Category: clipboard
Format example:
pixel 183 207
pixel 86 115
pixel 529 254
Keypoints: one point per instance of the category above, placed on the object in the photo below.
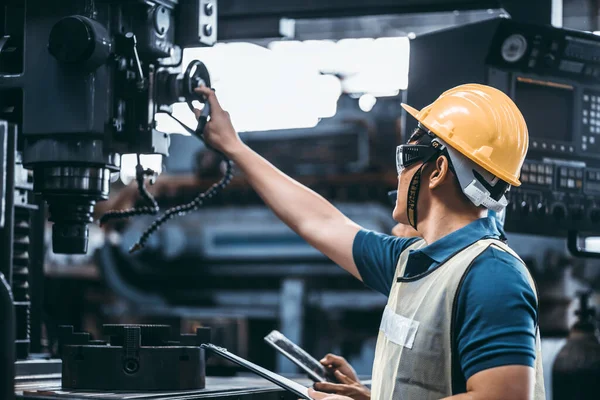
pixel 314 369
pixel 279 380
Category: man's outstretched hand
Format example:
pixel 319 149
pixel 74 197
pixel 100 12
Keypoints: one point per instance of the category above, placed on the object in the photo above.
pixel 346 387
pixel 348 383
pixel 219 132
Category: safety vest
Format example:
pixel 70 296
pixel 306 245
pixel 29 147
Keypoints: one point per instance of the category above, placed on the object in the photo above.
pixel 415 346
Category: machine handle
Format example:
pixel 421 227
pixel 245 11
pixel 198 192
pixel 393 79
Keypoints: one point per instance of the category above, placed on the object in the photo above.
pixel 576 251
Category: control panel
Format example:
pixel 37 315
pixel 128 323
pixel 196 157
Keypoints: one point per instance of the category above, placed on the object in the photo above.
pixel 553 75
pixel 545 50
pixel 555 197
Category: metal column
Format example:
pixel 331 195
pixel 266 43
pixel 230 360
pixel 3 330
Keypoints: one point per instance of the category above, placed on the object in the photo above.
pixel 291 317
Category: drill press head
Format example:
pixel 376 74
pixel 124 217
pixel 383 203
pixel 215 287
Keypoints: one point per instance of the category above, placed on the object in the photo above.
pixel 94 76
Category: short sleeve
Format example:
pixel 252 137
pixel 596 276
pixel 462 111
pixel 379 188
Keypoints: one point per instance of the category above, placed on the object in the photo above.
pixel 376 255
pixel 496 315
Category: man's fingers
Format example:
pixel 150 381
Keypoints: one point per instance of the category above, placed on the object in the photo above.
pixel 316 395
pixel 333 360
pixel 330 387
pixel 342 378
pixel 210 97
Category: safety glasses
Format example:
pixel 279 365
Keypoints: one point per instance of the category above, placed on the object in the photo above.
pixel 410 154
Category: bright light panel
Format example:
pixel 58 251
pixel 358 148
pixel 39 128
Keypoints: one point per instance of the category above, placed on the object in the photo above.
pixel 291 84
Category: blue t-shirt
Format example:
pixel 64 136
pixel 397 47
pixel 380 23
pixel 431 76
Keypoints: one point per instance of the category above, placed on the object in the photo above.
pixel 496 315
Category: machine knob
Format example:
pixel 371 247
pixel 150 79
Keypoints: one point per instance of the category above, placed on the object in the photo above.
pixel 524 208
pixel 540 209
pixel 559 212
pixel 549 60
pixel 595 215
pixel 79 41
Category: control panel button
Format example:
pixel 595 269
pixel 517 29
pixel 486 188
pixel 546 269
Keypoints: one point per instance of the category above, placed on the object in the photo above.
pixel 524 208
pixel 540 209
pixel 514 48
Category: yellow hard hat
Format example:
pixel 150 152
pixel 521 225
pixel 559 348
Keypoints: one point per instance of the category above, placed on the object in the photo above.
pixel 483 124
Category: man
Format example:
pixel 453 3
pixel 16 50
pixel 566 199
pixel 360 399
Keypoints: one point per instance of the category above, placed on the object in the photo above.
pixel 461 318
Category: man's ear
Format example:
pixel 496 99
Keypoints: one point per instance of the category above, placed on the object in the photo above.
pixel 440 172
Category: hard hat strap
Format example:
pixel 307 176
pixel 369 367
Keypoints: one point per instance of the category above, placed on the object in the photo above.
pixel 413 197
pixel 415 187
pixel 479 196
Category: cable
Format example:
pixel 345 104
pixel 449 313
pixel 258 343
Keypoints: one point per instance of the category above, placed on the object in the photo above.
pixel 199 201
pixel 140 174
pixel 185 208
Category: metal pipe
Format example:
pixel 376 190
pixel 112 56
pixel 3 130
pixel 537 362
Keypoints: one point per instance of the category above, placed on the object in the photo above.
pixel 7 341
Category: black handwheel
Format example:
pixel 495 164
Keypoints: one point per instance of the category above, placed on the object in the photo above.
pixel 196 74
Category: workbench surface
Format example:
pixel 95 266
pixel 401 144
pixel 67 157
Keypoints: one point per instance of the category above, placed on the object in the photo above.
pixel 224 388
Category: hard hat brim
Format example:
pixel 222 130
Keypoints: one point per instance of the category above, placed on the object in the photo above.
pixel 411 110
pixel 415 114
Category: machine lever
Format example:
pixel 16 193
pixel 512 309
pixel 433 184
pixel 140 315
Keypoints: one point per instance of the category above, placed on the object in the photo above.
pixel 129 44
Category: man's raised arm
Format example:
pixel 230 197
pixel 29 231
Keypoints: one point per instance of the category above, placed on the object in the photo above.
pixel 306 212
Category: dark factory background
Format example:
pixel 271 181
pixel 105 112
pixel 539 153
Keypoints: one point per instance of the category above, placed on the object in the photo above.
pixel 315 87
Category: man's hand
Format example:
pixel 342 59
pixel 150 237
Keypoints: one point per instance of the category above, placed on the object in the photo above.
pixel 347 387
pixel 219 132
pixel 336 363
pixel 325 396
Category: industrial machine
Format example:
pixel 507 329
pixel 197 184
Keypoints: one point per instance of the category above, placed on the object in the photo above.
pixel 554 77
pixel 84 81
pixel 80 84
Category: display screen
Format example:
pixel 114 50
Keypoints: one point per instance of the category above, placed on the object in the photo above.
pixel 547 108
